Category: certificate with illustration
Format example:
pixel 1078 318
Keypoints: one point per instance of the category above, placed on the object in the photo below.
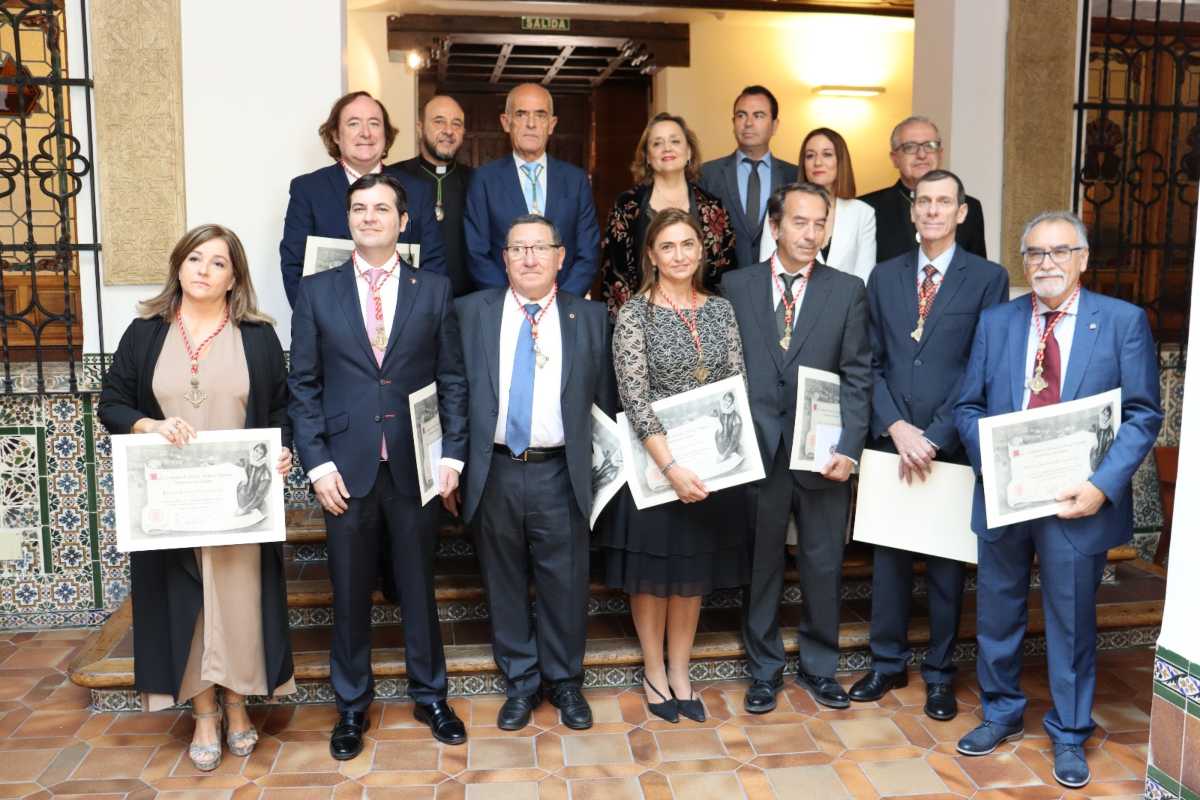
pixel 818 419
pixel 608 462
pixel 427 439
pixel 220 488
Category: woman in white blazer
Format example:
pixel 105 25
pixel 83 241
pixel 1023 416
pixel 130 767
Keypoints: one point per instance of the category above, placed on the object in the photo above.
pixel 850 230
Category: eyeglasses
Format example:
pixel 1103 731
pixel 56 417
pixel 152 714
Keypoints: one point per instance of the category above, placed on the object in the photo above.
pixel 1060 255
pixel 911 148
pixel 541 250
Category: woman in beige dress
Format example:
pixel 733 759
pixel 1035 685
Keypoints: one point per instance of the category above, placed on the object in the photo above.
pixel 202 357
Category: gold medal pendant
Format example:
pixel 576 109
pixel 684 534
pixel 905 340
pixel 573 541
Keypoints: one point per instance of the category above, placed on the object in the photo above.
pixel 194 395
pixel 1037 384
pixel 786 341
pixel 380 340
pixel 701 373
pixel 918 332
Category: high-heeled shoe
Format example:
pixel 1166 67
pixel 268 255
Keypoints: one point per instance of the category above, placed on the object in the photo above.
pixel 240 743
pixel 692 708
pixel 668 709
pixel 206 757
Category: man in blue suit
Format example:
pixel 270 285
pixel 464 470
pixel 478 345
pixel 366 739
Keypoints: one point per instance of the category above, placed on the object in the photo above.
pixel 536 362
pixel 357 135
pixel 924 306
pixel 366 335
pixel 531 182
pixel 1089 344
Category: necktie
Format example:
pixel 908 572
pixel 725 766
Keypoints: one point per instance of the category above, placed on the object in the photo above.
pixel 520 391
pixel 1051 366
pixel 927 292
pixel 781 309
pixel 753 195
pixel 533 172
pixel 374 276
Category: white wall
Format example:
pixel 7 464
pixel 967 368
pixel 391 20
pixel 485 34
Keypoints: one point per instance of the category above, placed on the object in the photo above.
pixel 368 68
pixel 958 82
pixel 254 94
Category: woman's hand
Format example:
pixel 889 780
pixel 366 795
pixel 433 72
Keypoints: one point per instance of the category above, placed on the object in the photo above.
pixel 284 465
pixel 173 429
pixel 687 485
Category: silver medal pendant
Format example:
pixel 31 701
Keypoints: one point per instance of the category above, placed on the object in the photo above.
pixel 438 213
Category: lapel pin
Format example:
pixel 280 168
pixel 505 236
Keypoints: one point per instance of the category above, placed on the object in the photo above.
pixel 1092 326
pixel 571 315
pixel 413 280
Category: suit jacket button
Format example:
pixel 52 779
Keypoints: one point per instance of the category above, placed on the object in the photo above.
pixel 782 384
pixel 916 362
pixel 783 412
pixel 378 418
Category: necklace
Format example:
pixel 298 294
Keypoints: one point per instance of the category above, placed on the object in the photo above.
pixel 539 355
pixel 1037 384
pixel 439 212
pixel 789 303
pixel 379 340
pixel 924 303
pixel 194 395
pixel 701 371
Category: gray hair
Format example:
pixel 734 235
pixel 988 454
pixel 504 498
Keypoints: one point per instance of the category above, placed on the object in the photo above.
pixel 509 97
pixel 895 138
pixel 1056 216
pixel 535 219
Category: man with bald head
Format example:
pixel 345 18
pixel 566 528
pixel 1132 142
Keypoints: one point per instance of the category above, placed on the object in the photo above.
pixel 440 132
pixel 530 182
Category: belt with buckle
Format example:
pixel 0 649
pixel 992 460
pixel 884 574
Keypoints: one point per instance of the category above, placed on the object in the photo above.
pixel 533 455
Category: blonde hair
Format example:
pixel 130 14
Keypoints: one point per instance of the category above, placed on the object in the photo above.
pixel 241 299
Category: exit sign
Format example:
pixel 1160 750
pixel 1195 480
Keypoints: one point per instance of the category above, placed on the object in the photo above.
pixel 543 24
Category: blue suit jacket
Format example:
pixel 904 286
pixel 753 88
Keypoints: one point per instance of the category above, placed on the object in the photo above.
pixel 317 207
pixel 342 400
pixel 494 200
pixel 919 382
pixel 587 378
pixel 1112 347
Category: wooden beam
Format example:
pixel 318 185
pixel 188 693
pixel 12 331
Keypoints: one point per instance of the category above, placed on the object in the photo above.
pixel 501 60
pixel 613 64
pixel 883 8
pixel 558 64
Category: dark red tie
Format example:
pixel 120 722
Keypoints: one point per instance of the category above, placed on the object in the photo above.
pixel 1051 366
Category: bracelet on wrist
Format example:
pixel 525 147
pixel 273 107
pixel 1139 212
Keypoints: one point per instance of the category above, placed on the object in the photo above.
pixel 666 467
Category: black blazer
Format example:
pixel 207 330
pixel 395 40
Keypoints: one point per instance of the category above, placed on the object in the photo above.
pixel 719 178
pixel 895 233
pixel 831 334
pixel 165 584
pixel 919 382
pixel 587 378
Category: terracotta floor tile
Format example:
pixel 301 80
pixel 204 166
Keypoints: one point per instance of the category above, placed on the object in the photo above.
pixel 114 762
pixel 53 723
pixel 610 748
pixel 158 722
pixel 770 739
pixel 553 788
pixel 524 790
pixel 313 718
pixel 605 709
pixel 1120 717
pixel 997 770
pixel 687 745
pixel 406 756
pixel 399 793
pixel 304 793
pixel 38 657
pixel 950 730
pixel 500 753
pixel 807 783
pixel 713 786
pixel 26 765
pixel 606 789
pixel 304 757
pixel 859 733
pixel 907 776
pixel 14 687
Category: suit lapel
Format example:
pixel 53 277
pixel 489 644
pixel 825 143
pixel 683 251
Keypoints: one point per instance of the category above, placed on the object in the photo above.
pixel 952 281
pixel 551 185
pixel 567 329
pixel 1018 339
pixel 731 188
pixel 512 185
pixel 763 295
pixel 1082 343
pixel 816 295
pixel 907 276
pixel 489 331
pixel 347 294
pixel 406 298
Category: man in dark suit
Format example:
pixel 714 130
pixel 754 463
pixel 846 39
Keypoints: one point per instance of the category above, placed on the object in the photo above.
pixel 1072 344
pixel 924 306
pixel 357 135
pixel 916 149
pixel 745 179
pixel 829 332
pixel 365 335
pixel 537 359
pixel 531 182
pixel 440 131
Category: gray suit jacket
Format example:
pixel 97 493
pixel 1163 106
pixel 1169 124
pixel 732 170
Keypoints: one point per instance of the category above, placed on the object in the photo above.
pixel 587 378
pixel 719 177
pixel 831 333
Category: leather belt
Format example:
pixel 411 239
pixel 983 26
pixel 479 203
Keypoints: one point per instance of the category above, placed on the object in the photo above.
pixel 533 455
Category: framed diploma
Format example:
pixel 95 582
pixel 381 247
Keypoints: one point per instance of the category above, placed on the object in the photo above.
pixel 608 462
pixel 1029 456
pixel 427 439
pixel 818 419
pixel 323 252
pixel 220 488
pixel 709 431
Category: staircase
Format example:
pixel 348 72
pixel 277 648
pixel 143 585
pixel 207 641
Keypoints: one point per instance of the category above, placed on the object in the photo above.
pixel 1129 612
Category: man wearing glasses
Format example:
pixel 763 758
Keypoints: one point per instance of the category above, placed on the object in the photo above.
pixel 530 182
pixel 916 148
pixel 1057 344
pixel 537 358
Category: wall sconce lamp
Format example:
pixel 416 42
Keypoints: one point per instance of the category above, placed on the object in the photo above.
pixel 416 59
pixel 848 91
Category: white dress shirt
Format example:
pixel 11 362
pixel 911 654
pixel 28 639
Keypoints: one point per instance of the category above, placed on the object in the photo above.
pixel 546 424
pixel 798 287
pixel 941 264
pixel 1064 333
pixel 524 180
pixel 352 175
pixel 852 246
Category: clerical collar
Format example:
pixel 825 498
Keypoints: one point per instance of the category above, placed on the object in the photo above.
pixel 437 169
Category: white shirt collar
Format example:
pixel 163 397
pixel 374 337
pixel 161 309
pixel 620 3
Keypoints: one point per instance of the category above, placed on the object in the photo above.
pixel 1070 308
pixel 352 175
pixel 764 161
pixel 363 266
pixel 777 267
pixel 941 263
pixel 521 162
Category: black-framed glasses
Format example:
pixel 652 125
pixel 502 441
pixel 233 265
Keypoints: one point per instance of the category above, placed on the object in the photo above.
pixel 911 148
pixel 541 250
pixel 1034 256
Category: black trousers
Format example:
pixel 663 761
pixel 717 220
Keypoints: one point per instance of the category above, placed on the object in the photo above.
pixel 821 516
pixel 354 544
pixel 528 524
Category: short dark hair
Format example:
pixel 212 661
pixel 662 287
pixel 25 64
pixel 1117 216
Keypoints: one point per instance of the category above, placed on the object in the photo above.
pixel 941 175
pixel 535 219
pixel 330 125
pixel 779 197
pixel 373 179
pixel 763 91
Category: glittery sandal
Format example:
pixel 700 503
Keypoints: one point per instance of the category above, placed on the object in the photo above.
pixel 240 743
pixel 206 757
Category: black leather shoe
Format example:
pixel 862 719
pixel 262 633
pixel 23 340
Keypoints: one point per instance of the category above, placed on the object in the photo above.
pixel 575 712
pixel 443 723
pixel 987 736
pixel 346 741
pixel 516 711
pixel 825 691
pixel 939 701
pixel 874 685
pixel 760 697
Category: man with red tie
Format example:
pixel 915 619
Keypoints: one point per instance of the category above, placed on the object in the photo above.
pixel 1059 343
